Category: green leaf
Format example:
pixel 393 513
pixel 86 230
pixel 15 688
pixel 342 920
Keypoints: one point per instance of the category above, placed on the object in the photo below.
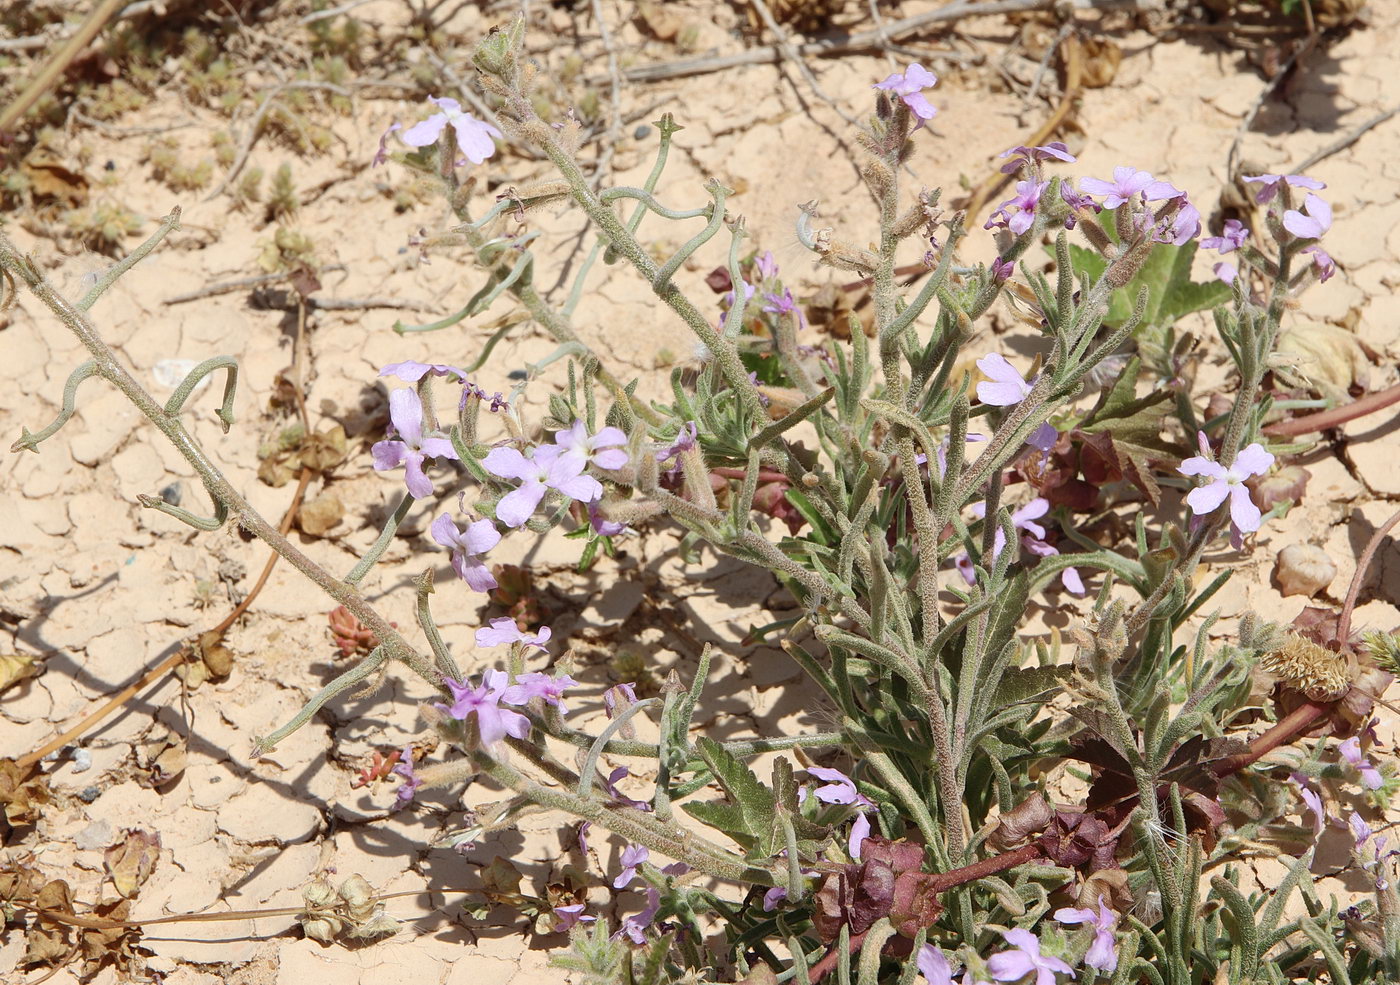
pixel 752 817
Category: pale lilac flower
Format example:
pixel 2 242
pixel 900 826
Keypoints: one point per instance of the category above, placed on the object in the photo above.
pixel 1004 387
pixel 1033 539
pixel 411 446
pixel 1077 203
pixel 772 898
pixel 1026 200
pixel 1225 271
pixel 1103 953
pixel 1360 830
pixel 411 371
pixel 686 439
pixel 382 155
pixel 860 830
pixel 537 685
pixel 933 965
pixel 473 135
pixel 1056 150
pixel 1351 751
pixel 1232 238
pixel 467 547
pixel 601 449
pixel 785 304
pixel 767 266
pixel 1312 800
pixel 571 916
pixel 1002 269
pixel 729 298
pixel 909 87
pixel 1312 225
pixel 1127 183
pixel 1323 261
pixel 504 630
pixel 601 525
pixel 632 857
pixel 634 926
pixel 1043 438
pixel 1228 483
pixel 1185 221
pixel 546 467
pixel 493 722
pixel 619 694
pixel 1026 959
pixel 839 788
pixel 1272 182
pixel 1069 577
pixel 618 797
pixel 941 452
pixel 404 768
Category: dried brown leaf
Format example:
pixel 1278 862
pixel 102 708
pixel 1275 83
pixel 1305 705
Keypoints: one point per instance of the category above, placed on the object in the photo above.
pixel 131 861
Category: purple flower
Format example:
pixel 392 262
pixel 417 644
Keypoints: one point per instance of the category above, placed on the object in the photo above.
pixel 1360 830
pixel 933 965
pixel 910 87
pixel 941 452
pixel 728 301
pixel 467 547
pixel 860 830
pixel 632 856
pixel 546 467
pixel 473 135
pixel 1185 221
pixel 1311 226
pixel 601 525
pixel 618 797
pixel 411 446
pixel 1103 953
pixel 1225 271
pixel 1027 198
pixel 601 449
pixel 1004 386
pixel 619 694
pixel 407 789
pixel 537 685
pixel 1126 184
pixel 1078 203
pixel 1233 238
pixel 1043 438
pixel 1322 260
pixel 493 722
pixel 686 439
pixel 411 371
pixel 839 788
pixel 1055 150
pixel 785 304
pixel 504 630
pixel 1228 482
pixel 1026 959
pixel 571 916
pixel 635 925
pixel 772 898
pixel 1273 182
pixel 767 266
pixel 382 155
pixel 1351 751
pixel 1312 800
pixel 1002 269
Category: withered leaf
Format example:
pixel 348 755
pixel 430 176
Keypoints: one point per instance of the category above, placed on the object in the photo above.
pixel 163 757
pixel 131 861
pixel 887 882
pixel 15 667
pixel 1031 816
pixel 321 515
pixel 47 941
pixel 218 659
pixel 22 792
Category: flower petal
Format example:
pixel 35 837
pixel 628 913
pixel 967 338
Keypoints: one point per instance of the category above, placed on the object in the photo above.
pixel 1207 499
pixel 425 132
pixel 406 411
pixel 1243 513
pixel 1253 460
pixel 517 505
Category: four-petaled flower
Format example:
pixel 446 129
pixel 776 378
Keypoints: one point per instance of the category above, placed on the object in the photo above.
pixel 1185 221
pixel 545 467
pixel 467 547
pixel 412 445
pixel 909 87
pixel 841 789
pixel 618 797
pixel 601 449
pixel 784 304
pixel 1228 483
pixel 1323 261
pixel 1126 184
pixel 473 135
pixel 411 371
pixel 1026 200
pixel 1055 150
pixel 1233 238
pixel 635 925
pixel 493 722
pixel 767 265
pixel 632 857
pixel 1351 751
pixel 537 685
pixel 504 630
pixel 411 780
pixel 601 525
pixel 1311 799
pixel 1103 953
pixel 1002 269
pixel 1026 959
pixel 1312 225
pixel 1273 182
pixel 570 916
pixel 1004 387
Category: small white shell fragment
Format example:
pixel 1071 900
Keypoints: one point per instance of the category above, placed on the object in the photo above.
pixel 1303 569
pixel 169 373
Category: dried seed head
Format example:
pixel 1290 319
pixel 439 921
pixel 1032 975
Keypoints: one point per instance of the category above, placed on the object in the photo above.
pixel 1308 667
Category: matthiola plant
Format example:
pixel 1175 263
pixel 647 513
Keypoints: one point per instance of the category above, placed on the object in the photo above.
pixel 930 487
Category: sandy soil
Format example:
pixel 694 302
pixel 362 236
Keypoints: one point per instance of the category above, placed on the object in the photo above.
pixel 101 589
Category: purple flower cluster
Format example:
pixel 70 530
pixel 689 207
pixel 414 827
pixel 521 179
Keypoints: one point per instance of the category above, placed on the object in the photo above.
pixel 484 700
pixel 1032 539
pixel 559 467
pixel 1179 220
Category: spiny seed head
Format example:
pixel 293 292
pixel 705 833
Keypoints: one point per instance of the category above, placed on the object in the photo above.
pixel 1306 666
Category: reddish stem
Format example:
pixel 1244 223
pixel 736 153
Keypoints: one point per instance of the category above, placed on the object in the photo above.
pixel 1323 420
pixel 1286 729
pixel 1354 592
pixel 764 475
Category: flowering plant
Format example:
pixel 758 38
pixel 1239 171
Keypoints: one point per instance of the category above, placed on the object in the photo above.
pixel 925 836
